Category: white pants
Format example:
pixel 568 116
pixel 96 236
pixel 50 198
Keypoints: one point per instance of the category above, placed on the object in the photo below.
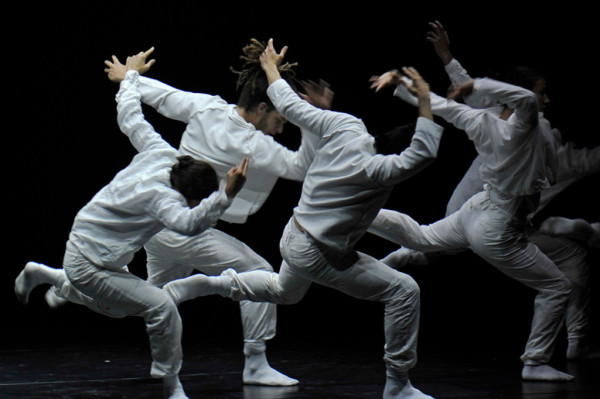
pixel 119 294
pixel 367 278
pixel 572 260
pixel 489 231
pixel 172 256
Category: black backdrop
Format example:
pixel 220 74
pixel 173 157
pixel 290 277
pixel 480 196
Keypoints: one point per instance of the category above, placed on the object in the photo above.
pixel 64 145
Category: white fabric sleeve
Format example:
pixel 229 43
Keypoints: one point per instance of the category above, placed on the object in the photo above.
pixel 177 216
pixel 173 103
pixel 391 169
pixel 131 119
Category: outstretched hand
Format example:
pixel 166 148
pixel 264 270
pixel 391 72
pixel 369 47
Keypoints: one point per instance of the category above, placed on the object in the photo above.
pixel 417 85
pixel 390 78
pixel 138 61
pixel 116 70
pixel 409 77
pixel 236 178
pixel 270 60
pixel 318 94
pixel 441 41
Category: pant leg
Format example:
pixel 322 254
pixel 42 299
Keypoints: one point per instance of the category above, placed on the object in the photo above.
pixel 172 256
pixel 490 232
pixel 572 259
pixel 366 279
pixel 120 294
pixel 495 237
pixel 446 234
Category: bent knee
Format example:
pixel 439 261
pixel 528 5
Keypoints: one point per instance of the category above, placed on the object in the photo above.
pixel 163 308
pixel 290 299
pixel 406 287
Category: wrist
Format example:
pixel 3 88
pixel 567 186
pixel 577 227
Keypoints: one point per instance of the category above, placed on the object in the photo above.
pixel 446 57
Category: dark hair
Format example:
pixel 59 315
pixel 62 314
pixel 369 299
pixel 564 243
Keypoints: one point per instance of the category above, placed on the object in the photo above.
pixel 522 76
pixel 396 140
pixel 252 82
pixel 194 179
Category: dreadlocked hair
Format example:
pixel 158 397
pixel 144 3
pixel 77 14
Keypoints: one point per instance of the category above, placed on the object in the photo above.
pixel 252 82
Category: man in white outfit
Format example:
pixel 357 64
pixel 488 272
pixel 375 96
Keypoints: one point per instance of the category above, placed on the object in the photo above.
pixel 567 166
pixel 220 134
pixel 345 186
pixel 515 167
pixel 156 190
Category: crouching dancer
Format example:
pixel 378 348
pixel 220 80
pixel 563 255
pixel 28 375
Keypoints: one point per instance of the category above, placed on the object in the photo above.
pixel 346 184
pixel 157 189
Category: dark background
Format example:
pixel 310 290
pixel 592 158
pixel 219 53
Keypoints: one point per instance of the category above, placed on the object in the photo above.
pixel 62 145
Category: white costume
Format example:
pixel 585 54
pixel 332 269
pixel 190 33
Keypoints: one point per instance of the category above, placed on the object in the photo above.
pixel 567 166
pixel 117 222
pixel 516 160
pixel 217 134
pixel 345 187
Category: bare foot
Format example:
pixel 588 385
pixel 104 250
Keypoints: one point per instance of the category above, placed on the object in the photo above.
pixel 544 373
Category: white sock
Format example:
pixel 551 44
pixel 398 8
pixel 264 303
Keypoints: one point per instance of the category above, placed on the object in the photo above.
pixel 34 274
pixel 257 371
pixel 53 299
pixel 173 388
pixel 399 387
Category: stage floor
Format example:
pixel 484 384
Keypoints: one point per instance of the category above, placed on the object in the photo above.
pixel 213 371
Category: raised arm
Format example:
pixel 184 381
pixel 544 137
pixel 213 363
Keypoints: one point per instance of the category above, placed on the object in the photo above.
pixel 270 61
pixel 173 103
pixel 288 103
pixel 457 74
pixel 441 42
pixel 129 109
pixel 168 101
pixel 206 213
pixel 115 70
pixel 391 169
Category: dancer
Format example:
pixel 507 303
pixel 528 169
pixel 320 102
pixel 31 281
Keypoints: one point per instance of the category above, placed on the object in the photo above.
pixel 346 185
pixel 157 189
pixel 514 166
pixel 219 134
pixel 567 165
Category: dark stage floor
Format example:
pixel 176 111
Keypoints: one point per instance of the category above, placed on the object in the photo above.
pixel 209 371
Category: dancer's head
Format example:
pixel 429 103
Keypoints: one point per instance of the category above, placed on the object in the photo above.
pixel 253 101
pixel 396 140
pixel 194 179
pixel 531 79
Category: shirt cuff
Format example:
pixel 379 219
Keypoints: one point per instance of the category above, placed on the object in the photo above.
pixel 427 125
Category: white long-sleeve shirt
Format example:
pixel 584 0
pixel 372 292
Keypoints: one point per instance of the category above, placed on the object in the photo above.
pixel 565 163
pixel 139 201
pixel 217 134
pixel 514 157
pixel 347 182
